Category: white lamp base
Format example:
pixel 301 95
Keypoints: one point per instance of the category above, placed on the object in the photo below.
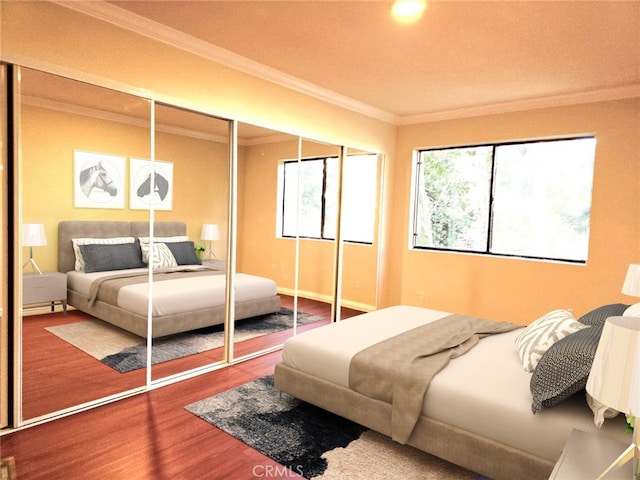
pixel 31 262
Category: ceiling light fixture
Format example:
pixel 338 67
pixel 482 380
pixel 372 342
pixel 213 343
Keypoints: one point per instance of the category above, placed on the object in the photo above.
pixel 408 10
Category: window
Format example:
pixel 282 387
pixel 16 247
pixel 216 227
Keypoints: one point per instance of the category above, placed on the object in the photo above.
pixel 317 190
pixel 529 199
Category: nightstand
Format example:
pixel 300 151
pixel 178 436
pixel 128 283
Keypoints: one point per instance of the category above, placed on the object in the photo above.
pixel 50 287
pixel 215 264
pixel 587 455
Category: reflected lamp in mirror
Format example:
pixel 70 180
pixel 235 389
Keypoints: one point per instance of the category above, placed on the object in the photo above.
pixel 33 235
pixel 631 286
pixel 614 379
pixel 210 231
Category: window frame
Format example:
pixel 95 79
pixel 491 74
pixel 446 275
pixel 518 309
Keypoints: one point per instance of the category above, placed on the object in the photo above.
pixel 417 170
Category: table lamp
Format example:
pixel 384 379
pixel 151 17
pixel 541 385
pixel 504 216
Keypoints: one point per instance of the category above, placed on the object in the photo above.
pixel 631 286
pixel 615 379
pixel 33 236
pixel 210 231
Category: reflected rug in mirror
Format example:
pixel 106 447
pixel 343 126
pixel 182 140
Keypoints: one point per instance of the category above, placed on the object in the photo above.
pixel 314 443
pixel 124 351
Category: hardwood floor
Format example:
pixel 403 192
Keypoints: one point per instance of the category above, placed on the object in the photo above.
pixel 150 435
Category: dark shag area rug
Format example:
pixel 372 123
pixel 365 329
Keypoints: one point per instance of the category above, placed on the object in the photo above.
pixel 314 443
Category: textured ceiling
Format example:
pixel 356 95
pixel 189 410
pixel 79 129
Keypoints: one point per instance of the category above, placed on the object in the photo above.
pixel 459 55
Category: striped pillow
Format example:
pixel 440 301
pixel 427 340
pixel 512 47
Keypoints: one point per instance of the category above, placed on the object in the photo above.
pixel 162 256
pixel 544 332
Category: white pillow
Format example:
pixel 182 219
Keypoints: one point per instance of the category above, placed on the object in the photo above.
pixel 173 239
pixel 632 311
pixel 544 332
pixel 162 256
pixel 79 265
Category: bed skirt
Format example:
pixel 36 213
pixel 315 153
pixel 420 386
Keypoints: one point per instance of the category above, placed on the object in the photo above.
pixel 171 324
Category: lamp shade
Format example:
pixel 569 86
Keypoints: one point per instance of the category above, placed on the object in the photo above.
pixel 615 374
pixel 33 235
pixel 631 285
pixel 210 231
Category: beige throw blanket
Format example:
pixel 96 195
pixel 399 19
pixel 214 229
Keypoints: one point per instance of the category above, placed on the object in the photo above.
pixel 106 288
pixel 399 370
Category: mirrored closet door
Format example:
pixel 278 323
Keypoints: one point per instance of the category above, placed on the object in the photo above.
pixel 361 197
pixel 264 255
pixel 75 142
pixel 192 168
pixel 304 221
pixel 318 173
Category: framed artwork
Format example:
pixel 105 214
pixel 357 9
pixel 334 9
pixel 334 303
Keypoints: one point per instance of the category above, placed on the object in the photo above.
pixel 98 180
pixel 141 195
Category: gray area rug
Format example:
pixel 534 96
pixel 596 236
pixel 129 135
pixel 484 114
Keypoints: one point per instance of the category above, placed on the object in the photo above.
pixel 126 352
pixel 314 443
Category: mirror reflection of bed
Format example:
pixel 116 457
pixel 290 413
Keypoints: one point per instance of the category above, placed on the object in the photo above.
pixel 57 375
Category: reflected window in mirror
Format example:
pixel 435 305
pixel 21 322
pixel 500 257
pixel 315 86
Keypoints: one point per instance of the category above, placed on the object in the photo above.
pixel 316 191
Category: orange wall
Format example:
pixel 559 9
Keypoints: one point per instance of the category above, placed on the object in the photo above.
pixel 521 290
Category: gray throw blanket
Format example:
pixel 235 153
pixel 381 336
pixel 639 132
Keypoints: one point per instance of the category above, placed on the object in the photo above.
pixel 399 370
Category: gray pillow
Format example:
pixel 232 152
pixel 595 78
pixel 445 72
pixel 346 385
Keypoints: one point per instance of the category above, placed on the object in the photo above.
pixel 101 258
pixel 184 253
pixel 597 317
pixel 564 368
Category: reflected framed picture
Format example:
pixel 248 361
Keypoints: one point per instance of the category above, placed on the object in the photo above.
pixel 150 183
pixel 98 180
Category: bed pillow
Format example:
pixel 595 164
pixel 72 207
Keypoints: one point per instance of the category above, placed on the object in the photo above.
pixel 542 333
pixel 175 238
pixel 564 368
pixel 184 253
pixel 162 256
pixel 76 242
pixel 104 257
pixel 597 316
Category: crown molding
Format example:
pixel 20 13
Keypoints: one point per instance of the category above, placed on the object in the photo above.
pixel 121 18
pixel 603 95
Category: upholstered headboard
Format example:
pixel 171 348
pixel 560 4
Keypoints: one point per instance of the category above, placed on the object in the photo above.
pixel 69 229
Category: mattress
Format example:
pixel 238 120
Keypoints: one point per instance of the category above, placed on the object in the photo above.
pixel 486 391
pixel 178 295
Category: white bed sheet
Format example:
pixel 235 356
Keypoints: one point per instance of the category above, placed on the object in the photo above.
pixel 486 391
pixel 179 295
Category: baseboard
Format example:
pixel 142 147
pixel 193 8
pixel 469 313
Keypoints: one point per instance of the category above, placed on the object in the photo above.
pixel 363 307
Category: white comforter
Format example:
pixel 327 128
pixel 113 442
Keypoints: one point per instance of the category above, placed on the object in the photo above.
pixel 486 391
pixel 178 295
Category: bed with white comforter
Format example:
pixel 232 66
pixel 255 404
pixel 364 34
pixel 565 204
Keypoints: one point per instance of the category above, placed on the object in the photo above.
pixel 185 297
pixel 477 411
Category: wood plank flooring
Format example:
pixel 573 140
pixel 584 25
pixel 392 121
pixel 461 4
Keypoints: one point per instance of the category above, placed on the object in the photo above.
pixel 147 436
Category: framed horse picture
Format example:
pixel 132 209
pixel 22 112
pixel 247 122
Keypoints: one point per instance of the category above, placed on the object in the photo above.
pixel 98 180
pixel 150 183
